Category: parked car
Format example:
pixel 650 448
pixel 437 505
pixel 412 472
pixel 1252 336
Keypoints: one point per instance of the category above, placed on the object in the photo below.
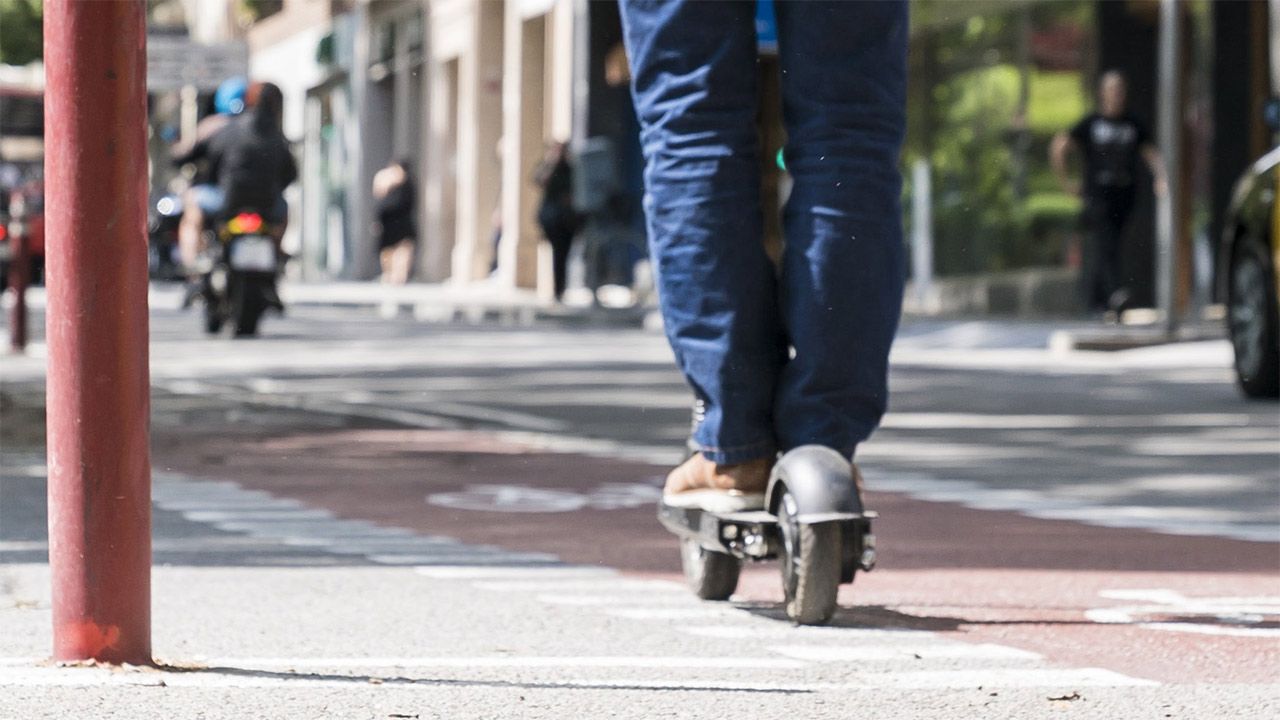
pixel 1251 257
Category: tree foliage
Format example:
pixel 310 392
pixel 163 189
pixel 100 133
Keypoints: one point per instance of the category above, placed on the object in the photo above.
pixel 21 34
pixel 996 205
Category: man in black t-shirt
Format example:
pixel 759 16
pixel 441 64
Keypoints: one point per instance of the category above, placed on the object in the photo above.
pixel 1111 142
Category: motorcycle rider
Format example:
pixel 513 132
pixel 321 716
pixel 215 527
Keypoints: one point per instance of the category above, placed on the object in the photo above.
pixel 204 198
pixel 250 160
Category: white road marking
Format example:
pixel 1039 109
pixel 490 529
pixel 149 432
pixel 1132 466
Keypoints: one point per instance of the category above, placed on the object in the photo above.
pixel 939 650
pixel 229 504
pixel 319 528
pixel 234 676
pixel 255 514
pixel 514 661
pixel 619 600
pixel 668 613
pixel 467 572
pixel 23 546
pixel 525 499
pixel 1252 525
pixel 1065 678
pixel 1223 616
pixel 452 559
pixel 613 582
pixel 983 421
pixel 775 631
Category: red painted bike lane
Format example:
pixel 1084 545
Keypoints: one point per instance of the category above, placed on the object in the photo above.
pixel 1176 609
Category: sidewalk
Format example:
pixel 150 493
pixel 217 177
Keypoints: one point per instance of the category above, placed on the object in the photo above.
pixel 429 302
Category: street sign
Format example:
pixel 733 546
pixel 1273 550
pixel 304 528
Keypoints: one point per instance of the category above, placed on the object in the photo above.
pixel 174 62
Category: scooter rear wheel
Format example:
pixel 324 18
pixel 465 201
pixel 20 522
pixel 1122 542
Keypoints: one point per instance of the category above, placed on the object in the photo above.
pixel 711 575
pixel 810 565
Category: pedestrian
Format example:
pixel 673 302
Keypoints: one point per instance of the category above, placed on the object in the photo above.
pixel 1111 141
pixel 556 213
pixel 396 194
pixel 777 357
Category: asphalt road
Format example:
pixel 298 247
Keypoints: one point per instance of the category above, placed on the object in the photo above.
pixel 1098 524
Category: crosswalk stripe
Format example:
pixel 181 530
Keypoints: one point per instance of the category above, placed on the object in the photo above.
pixel 773 631
pixel 669 613
pixel 988 677
pixel 618 600
pixel 256 514
pixel 467 572
pixel 609 582
pixel 465 559
pixel 938 650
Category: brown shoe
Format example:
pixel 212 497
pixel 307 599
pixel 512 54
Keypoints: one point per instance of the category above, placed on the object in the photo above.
pixel 701 483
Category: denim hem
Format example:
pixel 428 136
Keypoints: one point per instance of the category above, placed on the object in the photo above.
pixel 738 454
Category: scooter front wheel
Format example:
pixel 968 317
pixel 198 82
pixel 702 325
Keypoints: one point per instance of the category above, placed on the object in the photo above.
pixel 711 575
pixel 810 565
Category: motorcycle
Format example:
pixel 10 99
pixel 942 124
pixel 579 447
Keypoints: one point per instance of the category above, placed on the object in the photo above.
pixel 239 274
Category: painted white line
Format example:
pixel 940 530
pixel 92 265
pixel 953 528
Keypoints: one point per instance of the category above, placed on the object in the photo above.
pixel 362 546
pixel 667 613
pixel 1172 611
pixel 619 600
pixel 938 651
pixel 268 514
pixel 468 572
pixel 97 677
pixel 1053 680
pixel 977 421
pixel 986 678
pixel 465 559
pixel 318 528
pixel 612 582
pixel 228 505
pixel 1250 525
pixel 23 546
pixel 513 661
pixel 775 631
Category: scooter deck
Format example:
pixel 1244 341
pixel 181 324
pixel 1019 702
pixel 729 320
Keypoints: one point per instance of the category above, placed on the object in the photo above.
pixel 754 535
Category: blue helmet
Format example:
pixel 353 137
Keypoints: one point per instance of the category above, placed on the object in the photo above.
pixel 229 99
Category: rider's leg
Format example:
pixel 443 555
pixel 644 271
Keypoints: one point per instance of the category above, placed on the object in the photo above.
pixel 844 78
pixel 694 70
pixel 189 229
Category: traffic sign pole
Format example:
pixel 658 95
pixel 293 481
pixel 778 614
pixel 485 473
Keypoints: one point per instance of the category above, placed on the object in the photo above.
pixel 96 328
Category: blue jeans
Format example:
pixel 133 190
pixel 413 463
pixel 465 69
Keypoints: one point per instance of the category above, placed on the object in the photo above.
pixel 796 355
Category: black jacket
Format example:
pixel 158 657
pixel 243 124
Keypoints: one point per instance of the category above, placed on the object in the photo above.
pixel 395 214
pixel 250 161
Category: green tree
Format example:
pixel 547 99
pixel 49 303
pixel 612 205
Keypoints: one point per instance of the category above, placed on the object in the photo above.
pixel 21 35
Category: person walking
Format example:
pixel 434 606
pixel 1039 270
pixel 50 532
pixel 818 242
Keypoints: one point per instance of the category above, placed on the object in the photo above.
pixel 396 195
pixel 777 357
pixel 1111 141
pixel 556 214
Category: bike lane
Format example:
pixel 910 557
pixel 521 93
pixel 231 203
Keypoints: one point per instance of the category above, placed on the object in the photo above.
pixel 1177 609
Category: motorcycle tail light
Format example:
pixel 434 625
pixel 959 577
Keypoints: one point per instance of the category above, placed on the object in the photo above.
pixel 246 223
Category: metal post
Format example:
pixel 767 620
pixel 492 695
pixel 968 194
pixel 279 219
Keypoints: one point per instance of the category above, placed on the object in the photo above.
pixel 98 387
pixel 1169 110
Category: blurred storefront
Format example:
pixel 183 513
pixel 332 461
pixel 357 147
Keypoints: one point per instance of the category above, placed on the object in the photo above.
pixel 472 91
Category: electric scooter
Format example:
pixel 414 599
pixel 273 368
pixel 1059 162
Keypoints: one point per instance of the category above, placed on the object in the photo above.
pixel 814 522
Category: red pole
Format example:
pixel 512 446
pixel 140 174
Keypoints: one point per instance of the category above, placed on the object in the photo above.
pixel 96 327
